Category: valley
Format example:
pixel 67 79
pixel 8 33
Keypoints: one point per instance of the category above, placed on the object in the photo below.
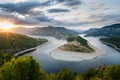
pixel 48 54
pixel 59 40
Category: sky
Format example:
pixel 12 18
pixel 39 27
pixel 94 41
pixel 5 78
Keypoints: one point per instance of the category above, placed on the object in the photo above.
pixel 72 14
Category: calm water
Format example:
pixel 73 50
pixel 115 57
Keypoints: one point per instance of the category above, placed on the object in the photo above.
pixel 110 56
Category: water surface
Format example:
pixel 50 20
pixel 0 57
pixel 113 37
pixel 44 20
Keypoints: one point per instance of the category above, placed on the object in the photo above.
pixel 42 55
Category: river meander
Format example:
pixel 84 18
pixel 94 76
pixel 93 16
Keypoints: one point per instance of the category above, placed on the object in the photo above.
pixel 109 56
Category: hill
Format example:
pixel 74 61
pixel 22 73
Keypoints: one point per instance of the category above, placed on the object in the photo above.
pixel 109 31
pixel 78 44
pixel 58 32
pixel 13 43
pixel 22 30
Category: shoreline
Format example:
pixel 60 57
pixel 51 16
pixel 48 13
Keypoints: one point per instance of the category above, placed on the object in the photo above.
pixel 59 54
pixel 26 51
pixel 111 45
pixel 21 53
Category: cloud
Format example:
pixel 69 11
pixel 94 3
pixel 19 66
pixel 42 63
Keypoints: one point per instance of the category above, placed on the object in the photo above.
pixel 30 17
pixel 98 7
pixel 91 21
pixel 21 7
pixel 104 19
pixel 35 18
pixel 40 16
pixel 58 10
pixel 70 2
pixel 23 13
pixel 67 13
pixel 12 1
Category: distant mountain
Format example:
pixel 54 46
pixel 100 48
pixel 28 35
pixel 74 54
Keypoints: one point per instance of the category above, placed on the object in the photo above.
pixel 109 31
pixel 79 31
pixel 23 30
pixel 58 32
pixel 92 30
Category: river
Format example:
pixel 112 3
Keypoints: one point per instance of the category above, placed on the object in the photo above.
pixel 42 55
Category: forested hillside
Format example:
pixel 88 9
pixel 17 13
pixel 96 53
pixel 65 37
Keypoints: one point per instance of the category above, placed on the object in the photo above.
pixel 112 41
pixel 13 43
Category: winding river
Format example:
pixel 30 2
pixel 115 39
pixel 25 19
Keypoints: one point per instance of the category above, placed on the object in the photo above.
pixel 42 55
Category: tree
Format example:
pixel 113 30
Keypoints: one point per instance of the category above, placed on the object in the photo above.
pixel 52 76
pixel 23 68
pixel 4 58
pixel 67 75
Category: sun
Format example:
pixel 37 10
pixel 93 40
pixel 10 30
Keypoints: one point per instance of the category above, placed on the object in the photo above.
pixel 5 25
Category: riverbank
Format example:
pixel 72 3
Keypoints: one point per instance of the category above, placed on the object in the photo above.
pixel 26 51
pixel 111 45
pixel 21 53
pixel 75 56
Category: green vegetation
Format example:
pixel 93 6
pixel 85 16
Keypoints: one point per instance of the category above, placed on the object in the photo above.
pixel 79 39
pixel 22 68
pixel 103 73
pixel 76 43
pixel 5 58
pixel 13 43
pixel 112 41
pixel 26 68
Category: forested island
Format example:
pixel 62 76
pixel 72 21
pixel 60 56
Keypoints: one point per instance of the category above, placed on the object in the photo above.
pixel 13 43
pixel 78 44
pixel 112 41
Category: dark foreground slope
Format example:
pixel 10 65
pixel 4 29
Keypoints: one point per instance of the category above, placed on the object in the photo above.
pixel 13 43
pixel 26 68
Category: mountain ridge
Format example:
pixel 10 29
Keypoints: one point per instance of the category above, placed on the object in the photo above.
pixel 108 31
pixel 58 32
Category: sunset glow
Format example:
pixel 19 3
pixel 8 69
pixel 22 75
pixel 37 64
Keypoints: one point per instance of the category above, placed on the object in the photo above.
pixel 6 25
